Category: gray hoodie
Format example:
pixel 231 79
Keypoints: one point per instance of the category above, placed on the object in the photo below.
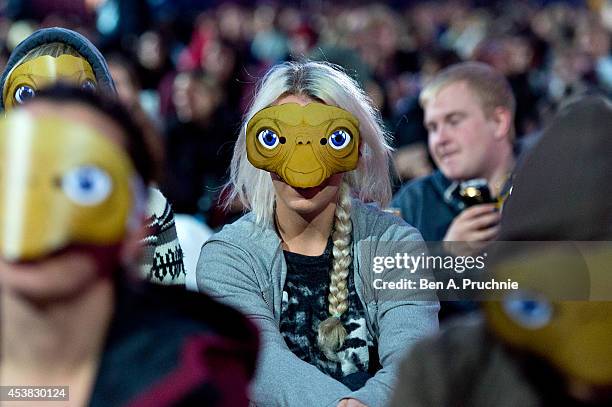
pixel 243 265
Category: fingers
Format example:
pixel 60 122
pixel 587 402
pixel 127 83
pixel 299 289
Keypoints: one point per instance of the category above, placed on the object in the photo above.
pixel 355 403
pixel 350 403
pixel 485 221
pixel 478 210
pixel 478 223
pixel 486 234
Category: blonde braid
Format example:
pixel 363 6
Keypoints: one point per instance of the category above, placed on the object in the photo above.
pixel 331 331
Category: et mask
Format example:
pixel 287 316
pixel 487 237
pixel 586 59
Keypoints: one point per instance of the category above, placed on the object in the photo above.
pixel 61 183
pixel 44 71
pixel 304 145
pixel 544 319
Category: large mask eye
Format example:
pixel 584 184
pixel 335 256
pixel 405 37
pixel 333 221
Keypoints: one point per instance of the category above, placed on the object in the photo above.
pixel 339 139
pixel 23 93
pixel 528 310
pixel 87 185
pixel 268 139
pixel 88 85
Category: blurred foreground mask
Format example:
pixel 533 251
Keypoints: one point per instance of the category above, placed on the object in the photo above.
pixel 304 145
pixel 44 71
pixel 61 183
pixel 561 313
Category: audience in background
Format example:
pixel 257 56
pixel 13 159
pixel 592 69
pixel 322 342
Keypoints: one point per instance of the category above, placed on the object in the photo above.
pixel 547 51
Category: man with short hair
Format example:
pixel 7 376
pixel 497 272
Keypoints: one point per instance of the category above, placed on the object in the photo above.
pixel 469 114
pixel 551 344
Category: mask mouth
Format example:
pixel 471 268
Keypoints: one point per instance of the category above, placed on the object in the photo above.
pixel 305 192
pixel 303 180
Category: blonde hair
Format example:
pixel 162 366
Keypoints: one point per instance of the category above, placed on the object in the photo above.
pixel 332 333
pixel 54 49
pixel 489 86
pixel 328 83
pixel 370 181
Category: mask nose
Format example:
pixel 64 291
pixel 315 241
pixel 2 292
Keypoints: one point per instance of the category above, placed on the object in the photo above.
pixel 301 140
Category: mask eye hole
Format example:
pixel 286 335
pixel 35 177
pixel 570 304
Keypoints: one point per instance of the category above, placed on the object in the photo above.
pixel 87 185
pixel 339 139
pixel 268 139
pixel 88 85
pixel 528 310
pixel 23 93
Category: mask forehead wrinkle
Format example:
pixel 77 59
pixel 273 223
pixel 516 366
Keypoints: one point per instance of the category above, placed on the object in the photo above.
pixel 46 65
pixel 290 114
pixel 303 132
pixel 25 79
pixel 313 114
pixel 317 114
pixel 41 81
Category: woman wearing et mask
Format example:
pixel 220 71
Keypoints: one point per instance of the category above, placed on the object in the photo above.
pixel 311 151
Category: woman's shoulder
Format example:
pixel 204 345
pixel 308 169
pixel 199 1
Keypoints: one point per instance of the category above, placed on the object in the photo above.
pixel 246 234
pixel 369 221
pixel 245 228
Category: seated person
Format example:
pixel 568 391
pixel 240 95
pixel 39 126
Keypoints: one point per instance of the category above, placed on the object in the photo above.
pixel 547 343
pixel 469 113
pixel 54 55
pixel 72 199
pixel 310 153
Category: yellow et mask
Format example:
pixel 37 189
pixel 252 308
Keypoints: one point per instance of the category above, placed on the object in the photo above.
pixel 60 183
pixel 573 336
pixel 44 71
pixel 304 145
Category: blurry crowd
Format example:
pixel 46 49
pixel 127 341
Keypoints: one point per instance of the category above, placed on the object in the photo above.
pixel 187 68
pixel 89 178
